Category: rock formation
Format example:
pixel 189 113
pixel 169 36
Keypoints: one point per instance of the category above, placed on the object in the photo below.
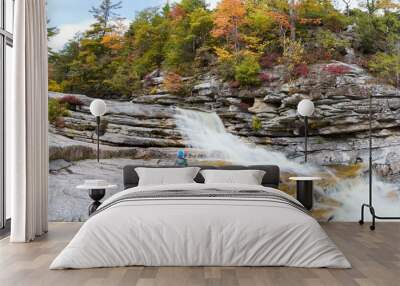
pixel 144 126
pixel 338 128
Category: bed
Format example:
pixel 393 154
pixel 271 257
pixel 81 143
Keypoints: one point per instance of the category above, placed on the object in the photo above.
pixel 198 224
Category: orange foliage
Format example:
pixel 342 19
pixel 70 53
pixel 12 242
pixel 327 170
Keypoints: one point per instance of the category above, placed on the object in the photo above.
pixel 388 4
pixel 280 18
pixel 112 41
pixel 229 15
pixel 305 21
pixel 283 20
pixel 173 83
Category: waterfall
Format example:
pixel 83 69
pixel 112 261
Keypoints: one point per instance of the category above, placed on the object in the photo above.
pixel 206 132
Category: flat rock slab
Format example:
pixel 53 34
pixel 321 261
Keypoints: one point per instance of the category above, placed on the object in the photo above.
pixel 66 202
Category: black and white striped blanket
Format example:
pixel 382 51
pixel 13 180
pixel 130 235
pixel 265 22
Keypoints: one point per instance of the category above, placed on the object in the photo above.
pixel 205 194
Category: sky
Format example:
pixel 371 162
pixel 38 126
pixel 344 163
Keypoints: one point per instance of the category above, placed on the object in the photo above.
pixel 72 16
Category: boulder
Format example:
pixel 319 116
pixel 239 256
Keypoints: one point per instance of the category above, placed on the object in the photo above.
pixel 261 107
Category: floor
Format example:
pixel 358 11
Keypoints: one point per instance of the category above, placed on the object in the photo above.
pixel 375 257
pixel 5 231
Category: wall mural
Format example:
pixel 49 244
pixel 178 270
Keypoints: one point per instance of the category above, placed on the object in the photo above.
pixel 221 81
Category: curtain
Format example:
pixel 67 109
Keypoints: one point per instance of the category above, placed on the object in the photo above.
pixel 27 123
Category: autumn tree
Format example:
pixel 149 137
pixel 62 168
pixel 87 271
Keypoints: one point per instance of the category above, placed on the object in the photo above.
pixel 201 23
pixel 190 23
pixel 258 30
pixel 293 6
pixel 145 41
pixel 60 65
pixel 247 36
pixel 190 5
pixel 293 55
pixel 229 16
pixel 96 54
pixel 282 21
pixel 293 14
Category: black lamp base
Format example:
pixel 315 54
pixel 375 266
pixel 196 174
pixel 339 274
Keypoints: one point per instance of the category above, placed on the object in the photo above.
pixel 304 193
pixel 96 195
pixel 98 137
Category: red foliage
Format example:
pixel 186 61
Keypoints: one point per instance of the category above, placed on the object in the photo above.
pixel 326 55
pixel 317 55
pixel 228 17
pixel 71 100
pixel 173 82
pixel 269 60
pixel 177 12
pixel 336 69
pixel 265 77
pixel 301 70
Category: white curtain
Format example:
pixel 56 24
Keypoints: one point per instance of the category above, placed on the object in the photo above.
pixel 27 123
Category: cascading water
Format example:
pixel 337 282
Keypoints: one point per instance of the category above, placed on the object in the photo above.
pixel 206 132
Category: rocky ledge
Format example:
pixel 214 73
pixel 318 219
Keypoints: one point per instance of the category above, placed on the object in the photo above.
pixel 338 128
pixel 143 130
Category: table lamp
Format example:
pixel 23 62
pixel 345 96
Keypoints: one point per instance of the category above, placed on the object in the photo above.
pixel 305 108
pixel 98 108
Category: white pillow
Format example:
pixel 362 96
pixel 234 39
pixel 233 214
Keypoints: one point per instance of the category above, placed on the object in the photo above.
pixel 245 177
pixel 166 176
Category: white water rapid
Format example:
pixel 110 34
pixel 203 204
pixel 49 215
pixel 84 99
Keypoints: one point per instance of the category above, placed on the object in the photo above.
pixel 206 132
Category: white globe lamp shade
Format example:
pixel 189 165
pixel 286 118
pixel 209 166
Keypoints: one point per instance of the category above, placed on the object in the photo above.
pixel 305 107
pixel 98 107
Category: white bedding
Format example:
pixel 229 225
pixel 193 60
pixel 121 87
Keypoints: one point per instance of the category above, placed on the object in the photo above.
pixel 200 231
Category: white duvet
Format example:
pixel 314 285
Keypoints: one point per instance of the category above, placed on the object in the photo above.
pixel 193 231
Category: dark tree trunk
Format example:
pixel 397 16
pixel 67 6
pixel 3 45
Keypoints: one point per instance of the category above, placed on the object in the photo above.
pixel 292 17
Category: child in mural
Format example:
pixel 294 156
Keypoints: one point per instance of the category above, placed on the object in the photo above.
pixel 181 158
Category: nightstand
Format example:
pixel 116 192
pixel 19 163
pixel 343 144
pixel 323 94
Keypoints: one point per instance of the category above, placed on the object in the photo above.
pixel 97 190
pixel 304 192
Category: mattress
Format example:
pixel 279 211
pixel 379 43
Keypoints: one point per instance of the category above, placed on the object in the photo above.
pixel 201 225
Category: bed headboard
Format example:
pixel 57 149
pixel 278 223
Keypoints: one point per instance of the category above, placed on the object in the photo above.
pixel 271 177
